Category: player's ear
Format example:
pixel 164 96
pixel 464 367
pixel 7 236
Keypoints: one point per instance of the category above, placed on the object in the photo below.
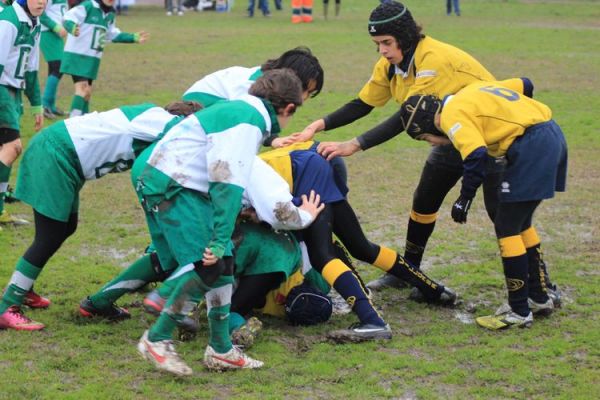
pixel 289 110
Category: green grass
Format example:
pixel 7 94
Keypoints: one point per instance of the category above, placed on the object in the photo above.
pixel 433 354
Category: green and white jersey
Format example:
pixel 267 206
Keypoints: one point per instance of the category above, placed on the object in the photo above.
pixel 210 152
pixel 106 142
pixel 226 84
pixel 215 145
pixel 269 194
pixel 19 47
pixel 82 53
pixel 53 15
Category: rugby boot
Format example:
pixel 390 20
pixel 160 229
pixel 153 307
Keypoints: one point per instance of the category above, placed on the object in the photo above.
pixel 111 313
pixel 34 300
pixel 233 359
pixel 386 281
pixel 544 309
pixel 359 332
pixel 505 318
pixel 13 318
pixel 555 295
pixel 48 113
pixel 153 303
pixel 7 219
pixel 447 298
pixel 246 335
pixel 163 355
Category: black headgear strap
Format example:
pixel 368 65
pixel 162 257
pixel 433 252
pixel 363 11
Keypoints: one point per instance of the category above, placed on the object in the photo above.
pixel 418 115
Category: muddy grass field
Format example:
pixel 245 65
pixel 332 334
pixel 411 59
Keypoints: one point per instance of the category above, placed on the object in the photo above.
pixel 435 353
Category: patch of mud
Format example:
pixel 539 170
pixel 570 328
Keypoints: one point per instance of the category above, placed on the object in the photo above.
pixel 219 171
pixel 464 317
pixel 286 213
pixel 122 257
pixel 299 344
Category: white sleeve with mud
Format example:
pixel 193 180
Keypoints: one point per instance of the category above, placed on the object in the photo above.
pixel 270 196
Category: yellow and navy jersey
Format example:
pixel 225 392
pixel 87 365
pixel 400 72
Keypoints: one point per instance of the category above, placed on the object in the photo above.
pixel 305 170
pixel 491 115
pixel 437 69
pixel 281 161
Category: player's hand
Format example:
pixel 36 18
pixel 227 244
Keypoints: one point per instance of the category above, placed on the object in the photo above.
pixel 76 31
pixel 39 122
pixel 143 37
pixel 460 209
pixel 278 142
pixel 62 33
pixel 312 204
pixel 208 258
pixel 330 150
pixel 287 141
pixel 308 133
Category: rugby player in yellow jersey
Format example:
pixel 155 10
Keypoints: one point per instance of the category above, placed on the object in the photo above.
pixel 410 63
pixel 488 118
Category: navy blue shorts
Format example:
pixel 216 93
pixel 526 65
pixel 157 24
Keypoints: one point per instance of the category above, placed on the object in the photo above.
pixel 536 165
pixel 312 172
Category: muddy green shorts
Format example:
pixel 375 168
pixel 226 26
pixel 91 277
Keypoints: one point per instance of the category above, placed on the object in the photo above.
pixel 181 228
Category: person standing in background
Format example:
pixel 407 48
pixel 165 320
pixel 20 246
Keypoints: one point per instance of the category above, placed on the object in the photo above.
pixel 302 11
pixel 450 4
pixel 90 25
pixel 174 10
pixel 338 5
pixel 19 62
pixel 52 43
pixel 263 6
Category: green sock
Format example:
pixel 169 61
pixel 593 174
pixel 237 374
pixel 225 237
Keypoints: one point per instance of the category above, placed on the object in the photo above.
pixel 189 285
pixel 218 323
pixel 20 283
pixel 50 92
pixel 4 175
pixel 134 277
pixel 77 106
pixel 236 321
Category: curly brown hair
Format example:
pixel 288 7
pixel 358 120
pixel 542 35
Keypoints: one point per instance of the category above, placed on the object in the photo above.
pixel 183 108
pixel 279 86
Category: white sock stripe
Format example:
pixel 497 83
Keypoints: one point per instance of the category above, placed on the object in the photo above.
pixel 132 284
pixel 21 281
pixel 3 186
pixel 219 296
pixel 181 271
